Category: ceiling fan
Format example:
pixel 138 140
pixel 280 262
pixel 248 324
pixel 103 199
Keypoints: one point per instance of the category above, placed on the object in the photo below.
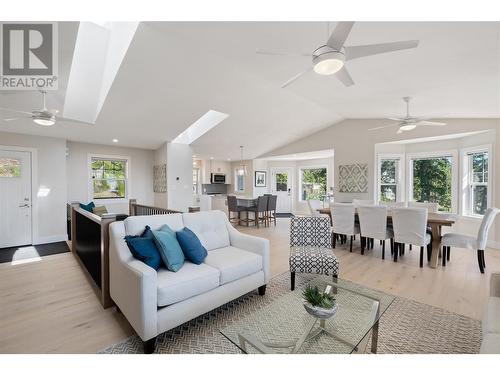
pixel 408 122
pixel 330 58
pixel 43 116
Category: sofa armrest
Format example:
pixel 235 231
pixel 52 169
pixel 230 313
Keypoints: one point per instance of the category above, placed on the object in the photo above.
pixel 495 284
pixel 253 244
pixel 133 285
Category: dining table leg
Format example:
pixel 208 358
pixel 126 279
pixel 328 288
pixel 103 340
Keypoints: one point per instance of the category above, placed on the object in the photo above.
pixel 436 244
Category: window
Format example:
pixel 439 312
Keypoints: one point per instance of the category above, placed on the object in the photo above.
pixel 109 178
pixel 312 183
pixel 239 182
pixel 196 176
pixel 431 180
pixel 10 167
pixel 281 181
pixel 389 180
pixel 476 176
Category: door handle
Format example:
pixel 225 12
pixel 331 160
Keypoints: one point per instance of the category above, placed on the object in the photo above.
pixel 24 205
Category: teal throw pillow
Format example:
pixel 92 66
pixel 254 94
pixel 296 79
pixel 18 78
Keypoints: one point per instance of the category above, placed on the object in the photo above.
pixel 169 248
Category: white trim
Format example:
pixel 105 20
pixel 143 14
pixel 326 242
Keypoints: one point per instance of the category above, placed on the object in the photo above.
pixel 299 170
pixel 433 154
pixel 128 183
pixel 51 239
pixel 464 178
pixel 34 186
pixel 291 171
pixel 493 245
pixel 400 189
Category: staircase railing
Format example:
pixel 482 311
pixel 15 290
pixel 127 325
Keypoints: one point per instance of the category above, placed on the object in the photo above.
pixel 141 209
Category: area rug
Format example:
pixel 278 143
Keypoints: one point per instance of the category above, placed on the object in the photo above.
pixel 25 253
pixel 406 327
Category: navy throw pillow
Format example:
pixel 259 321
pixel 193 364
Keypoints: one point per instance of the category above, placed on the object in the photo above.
pixel 144 249
pixel 88 207
pixel 191 246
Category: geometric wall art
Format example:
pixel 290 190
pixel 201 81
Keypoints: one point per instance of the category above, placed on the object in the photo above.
pixel 160 178
pixel 353 178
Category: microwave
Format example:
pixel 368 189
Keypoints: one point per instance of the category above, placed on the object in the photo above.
pixel 217 178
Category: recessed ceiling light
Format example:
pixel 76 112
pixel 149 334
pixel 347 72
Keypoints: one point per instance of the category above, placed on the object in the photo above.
pixel 211 158
pixel 115 140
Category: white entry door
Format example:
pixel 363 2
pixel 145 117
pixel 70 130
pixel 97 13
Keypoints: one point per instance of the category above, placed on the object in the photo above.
pixel 282 187
pixel 15 198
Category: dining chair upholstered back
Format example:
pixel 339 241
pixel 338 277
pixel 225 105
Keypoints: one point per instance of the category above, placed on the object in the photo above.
pixel 310 231
pixel 262 203
pixel 314 205
pixel 271 203
pixel 392 204
pixel 232 203
pixel 431 207
pixel 343 216
pixel 484 228
pixel 373 221
pixel 362 202
pixel 410 225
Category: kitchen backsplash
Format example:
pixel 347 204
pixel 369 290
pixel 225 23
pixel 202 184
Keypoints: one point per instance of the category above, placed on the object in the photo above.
pixel 214 189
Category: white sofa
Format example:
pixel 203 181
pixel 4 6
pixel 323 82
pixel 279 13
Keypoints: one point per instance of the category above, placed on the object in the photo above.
pixel 491 319
pixel 157 301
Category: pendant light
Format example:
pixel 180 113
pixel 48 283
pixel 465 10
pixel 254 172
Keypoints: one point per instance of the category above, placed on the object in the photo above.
pixel 242 169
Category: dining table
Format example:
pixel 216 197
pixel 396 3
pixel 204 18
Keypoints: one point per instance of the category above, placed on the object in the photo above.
pixel 435 220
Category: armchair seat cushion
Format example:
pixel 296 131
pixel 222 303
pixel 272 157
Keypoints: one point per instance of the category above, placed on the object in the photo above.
pixel 313 259
pixel 491 318
pixel 233 263
pixel 459 240
pixel 191 280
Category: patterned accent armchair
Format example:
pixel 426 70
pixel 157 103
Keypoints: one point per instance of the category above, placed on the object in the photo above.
pixel 310 247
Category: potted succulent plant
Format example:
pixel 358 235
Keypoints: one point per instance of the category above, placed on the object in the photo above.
pixel 321 305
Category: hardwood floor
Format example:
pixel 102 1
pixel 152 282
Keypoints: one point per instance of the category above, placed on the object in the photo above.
pixel 48 306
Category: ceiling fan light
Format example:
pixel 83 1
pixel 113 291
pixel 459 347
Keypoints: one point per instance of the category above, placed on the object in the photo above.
pixel 328 63
pixel 44 121
pixel 407 127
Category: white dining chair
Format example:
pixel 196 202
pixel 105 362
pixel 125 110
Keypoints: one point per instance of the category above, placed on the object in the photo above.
pixel 410 227
pixel 373 224
pixel 393 204
pixel 363 202
pixel 431 206
pixel 314 205
pixel 343 221
pixel 469 242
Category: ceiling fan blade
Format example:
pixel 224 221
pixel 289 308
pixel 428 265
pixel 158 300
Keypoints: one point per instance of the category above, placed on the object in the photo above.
pixel 354 52
pixel 395 119
pixel 295 77
pixel 399 131
pixel 64 119
pixel 430 123
pixel 16 111
pixel 13 119
pixel 276 53
pixel 344 77
pixel 383 127
pixel 339 35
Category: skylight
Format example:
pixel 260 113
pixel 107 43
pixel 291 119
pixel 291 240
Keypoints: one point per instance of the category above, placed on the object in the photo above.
pixel 206 122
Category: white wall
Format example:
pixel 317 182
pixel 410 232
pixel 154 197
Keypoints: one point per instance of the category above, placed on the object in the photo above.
pixel 140 174
pixel 179 176
pixel 353 143
pixel 49 212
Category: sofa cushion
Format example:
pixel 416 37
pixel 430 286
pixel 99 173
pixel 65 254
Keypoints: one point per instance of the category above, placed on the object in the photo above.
pixel 143 248
pixel 233 263
pixel 169 248
pixel 134 225
pixel 491 318
pixel 490 344
pixel 188 282
pixel 191 246
pixel 209 227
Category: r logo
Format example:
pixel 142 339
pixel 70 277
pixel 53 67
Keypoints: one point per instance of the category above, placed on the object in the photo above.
pixel 27 49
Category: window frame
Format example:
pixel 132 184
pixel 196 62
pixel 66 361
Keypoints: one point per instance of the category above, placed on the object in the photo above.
pixel 128 187
pixel 319 166
pixel 400 192
pixel 236 181
pixel 466 186
pixel 453 153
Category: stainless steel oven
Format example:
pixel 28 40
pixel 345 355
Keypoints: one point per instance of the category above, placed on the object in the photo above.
pixel 217 178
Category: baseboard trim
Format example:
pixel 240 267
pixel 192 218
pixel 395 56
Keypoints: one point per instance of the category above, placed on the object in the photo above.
pixel 50 239
pixel 493 245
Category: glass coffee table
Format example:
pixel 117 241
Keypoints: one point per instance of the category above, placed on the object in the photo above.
pixel 284 326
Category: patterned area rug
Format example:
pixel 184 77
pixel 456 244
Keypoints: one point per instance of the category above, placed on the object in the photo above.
pixel 406 327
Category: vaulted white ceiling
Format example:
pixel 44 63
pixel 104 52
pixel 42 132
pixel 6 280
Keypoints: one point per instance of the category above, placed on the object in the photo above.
pixel 175 72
